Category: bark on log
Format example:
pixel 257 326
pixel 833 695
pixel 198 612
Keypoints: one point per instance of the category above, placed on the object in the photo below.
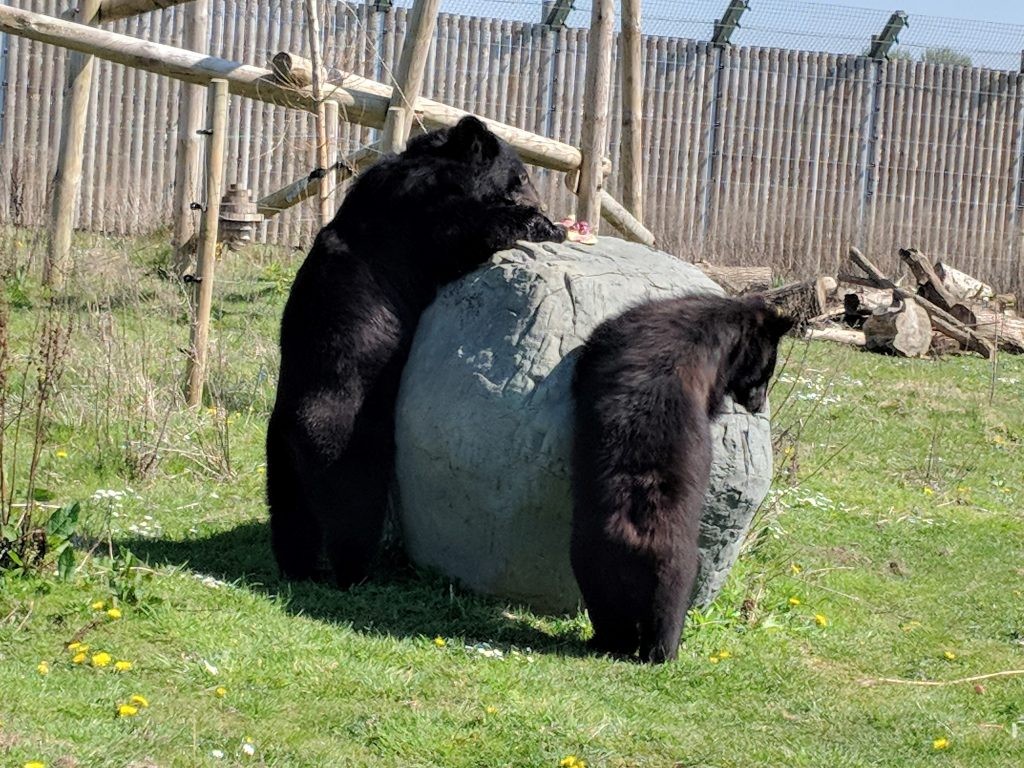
pixel 292 69
pixel 903 328
pixel 929 285
pixel 738 280
pixel 1004 331
pixel 847 336
pixel 962 286
pixel 797 300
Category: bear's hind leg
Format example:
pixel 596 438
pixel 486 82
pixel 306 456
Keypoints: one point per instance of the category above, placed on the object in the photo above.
pixel 662 628
pixel 295 535
pixel 354 503
pixel 616 631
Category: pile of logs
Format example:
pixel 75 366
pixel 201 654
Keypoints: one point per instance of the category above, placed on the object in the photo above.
pixel 940 311
pixel 945 311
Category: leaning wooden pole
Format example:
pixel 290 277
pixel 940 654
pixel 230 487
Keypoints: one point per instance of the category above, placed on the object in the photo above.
pixel 67 183
pixel 317 85
pixel 112 10
pixel 409 78
pixel 200 336
pixel 631 63
pixel 597 90
pixel 191 110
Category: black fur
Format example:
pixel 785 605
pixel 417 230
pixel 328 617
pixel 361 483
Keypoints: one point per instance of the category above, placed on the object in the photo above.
pixel 647 386
pixel 408 225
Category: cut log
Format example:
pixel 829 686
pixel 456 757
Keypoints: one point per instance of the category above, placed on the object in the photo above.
pixel 796 300
pixel 930 286
pixel 903 328
pixel 847 336
pixel 942 321
pixel 295 70
pixel 962 286
pixel 738 280
pixel 1004 331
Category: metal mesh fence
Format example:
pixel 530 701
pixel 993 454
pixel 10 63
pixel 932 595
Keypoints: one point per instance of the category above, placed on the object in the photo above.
pixel 779 155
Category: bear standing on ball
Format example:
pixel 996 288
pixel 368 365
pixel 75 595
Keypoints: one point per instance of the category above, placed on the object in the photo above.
pixel 647 386
pixel 408 225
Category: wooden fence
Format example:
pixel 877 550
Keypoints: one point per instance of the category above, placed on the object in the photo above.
pixel 752 155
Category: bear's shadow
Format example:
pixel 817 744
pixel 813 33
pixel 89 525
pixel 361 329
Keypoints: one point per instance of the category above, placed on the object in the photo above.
pixel 398 600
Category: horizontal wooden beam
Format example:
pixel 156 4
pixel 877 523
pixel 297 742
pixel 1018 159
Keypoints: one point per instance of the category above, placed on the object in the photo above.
pixel 112 10
pixel 358 102
pixel 292 194
pixel 532 148
pixel 188 66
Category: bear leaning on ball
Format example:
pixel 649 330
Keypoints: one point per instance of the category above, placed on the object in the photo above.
pixel 408 225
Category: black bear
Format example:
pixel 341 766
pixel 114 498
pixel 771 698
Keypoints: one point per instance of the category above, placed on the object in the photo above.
pixel 408 225
pixel 647 386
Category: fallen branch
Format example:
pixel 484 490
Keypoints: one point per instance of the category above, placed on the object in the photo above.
pixel 938 683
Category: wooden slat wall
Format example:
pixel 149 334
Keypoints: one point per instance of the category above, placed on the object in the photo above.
pixel 751 154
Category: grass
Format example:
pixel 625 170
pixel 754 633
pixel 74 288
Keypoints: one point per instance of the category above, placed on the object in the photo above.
pixel 896 518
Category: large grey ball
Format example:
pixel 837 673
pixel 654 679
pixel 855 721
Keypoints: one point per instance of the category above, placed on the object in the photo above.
pixel 484 421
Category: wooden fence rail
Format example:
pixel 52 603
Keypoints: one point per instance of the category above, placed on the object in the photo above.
pixel 750 155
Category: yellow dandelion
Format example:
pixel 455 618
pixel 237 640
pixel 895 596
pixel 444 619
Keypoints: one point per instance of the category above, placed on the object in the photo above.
pixel 490 709
pixel 261 470
pixel 122 665
pixel 220 691
pixel 98 605
pixel 940 744
pixel 928 491
pixel 571 761
pixel 949 656
pixel 43 668
pixel 794 601
pixel 114 613
pixel 794 568
pixel 61 454
pixel 821 619
pixel 724 655
pixel 440 642
pixel 101 659
pixel 714 658
pixel 78 658
pixel 139 700
pixel 35 764
pixel 81 647
pixel 127 710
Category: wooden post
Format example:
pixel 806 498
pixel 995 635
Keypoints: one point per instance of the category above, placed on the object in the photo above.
pixel 68 180
pixel 595 110
pixel 409 78
pixel 322 149
pixel 331 179
pixel 218 113
pixel 631 67
pixel 187 152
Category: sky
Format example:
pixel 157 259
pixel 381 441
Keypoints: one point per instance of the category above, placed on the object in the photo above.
pixel 1008 11
pixel 989 32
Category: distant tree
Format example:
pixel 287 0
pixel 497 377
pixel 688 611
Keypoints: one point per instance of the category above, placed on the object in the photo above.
pixel 947 56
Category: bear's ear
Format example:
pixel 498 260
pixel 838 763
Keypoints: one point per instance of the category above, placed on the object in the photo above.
pixel 778 325
pixel 470 140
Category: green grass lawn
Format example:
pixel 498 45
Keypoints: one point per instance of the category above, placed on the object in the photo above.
pixel 892 547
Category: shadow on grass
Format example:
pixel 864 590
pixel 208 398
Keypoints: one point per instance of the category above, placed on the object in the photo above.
pixel 398 600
